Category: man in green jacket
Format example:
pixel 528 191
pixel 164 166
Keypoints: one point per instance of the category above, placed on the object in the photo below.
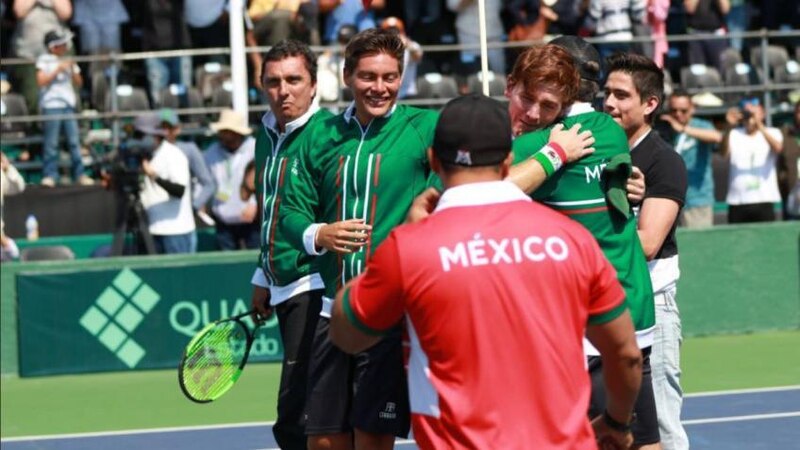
pixel 592 192
pixel 286 279
pixel 352 182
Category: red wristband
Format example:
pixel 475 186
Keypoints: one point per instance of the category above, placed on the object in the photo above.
pixel 559 150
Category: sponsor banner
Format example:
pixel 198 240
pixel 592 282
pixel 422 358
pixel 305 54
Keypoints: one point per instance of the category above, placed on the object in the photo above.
pixel 129 319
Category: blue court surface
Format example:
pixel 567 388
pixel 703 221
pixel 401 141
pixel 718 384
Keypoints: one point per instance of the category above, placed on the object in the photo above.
pixel 733 420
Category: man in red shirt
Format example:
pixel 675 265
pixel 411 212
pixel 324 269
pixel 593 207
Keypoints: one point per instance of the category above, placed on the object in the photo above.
pixel 497 292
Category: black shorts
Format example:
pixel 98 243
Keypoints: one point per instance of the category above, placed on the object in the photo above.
pixel 367 391
pixel 645 427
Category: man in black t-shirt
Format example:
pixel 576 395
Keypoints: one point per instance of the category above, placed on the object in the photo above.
pixel 634 91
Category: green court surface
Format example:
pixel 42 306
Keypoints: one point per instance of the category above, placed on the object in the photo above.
pixel 152 399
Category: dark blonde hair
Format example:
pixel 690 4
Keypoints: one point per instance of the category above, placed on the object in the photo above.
pixel 547 65
pixel 372 42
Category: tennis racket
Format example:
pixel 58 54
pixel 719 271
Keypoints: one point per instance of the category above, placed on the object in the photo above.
pixel 215 358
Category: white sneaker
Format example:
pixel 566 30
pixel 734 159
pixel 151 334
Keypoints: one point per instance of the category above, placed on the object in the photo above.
pixel 85 181
pixel 49 182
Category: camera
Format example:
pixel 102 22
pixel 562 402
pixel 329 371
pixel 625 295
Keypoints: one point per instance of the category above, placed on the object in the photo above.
pixel 126 168
pixel 746 115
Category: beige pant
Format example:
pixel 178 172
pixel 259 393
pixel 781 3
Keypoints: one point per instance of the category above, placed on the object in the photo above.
pixel 698 217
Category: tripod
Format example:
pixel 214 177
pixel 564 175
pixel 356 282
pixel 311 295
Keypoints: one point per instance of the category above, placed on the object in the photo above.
pixel 132 219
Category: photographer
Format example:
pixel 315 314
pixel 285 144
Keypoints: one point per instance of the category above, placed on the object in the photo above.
pixel 752 149
pixel 165 191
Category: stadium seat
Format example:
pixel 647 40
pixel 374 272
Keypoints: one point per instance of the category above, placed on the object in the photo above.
pixel 497 84
pixel 698 76
pixel 46 253
pixel 12 105
pixel 436 86
pixel 222 97
pixel 209 77
pixel 129 98
pixel 739 75
pixel 777 56
pixel 729 58
pixel 669 85
pixel 179 96
pixel 788 73
pixel 100 87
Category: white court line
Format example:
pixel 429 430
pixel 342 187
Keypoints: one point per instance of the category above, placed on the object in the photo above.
pixel 396 441
pixel 254 424
pixel 743 391
pixel 139 431
pixel 741 418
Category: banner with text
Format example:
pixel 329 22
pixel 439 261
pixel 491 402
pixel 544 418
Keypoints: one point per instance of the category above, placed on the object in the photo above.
pixel 129 319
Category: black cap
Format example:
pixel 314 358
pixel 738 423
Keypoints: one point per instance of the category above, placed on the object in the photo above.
pixel 584 55
pixel 53 38
pixel 473 130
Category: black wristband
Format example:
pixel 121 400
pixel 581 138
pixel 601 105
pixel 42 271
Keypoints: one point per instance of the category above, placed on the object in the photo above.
pixel 617 426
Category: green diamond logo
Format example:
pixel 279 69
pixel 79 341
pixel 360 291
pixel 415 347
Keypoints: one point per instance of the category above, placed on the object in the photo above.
pixel 117 312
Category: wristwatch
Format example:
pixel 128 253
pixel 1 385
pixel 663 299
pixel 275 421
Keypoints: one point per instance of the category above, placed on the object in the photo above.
pixel 618 426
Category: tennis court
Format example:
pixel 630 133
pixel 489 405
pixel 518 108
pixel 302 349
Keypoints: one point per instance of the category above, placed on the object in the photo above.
pixel 745 394
pixel 745 419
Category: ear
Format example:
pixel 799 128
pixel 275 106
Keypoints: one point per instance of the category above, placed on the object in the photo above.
pixel 651 104
pixel 505 166
pixel 436 166
pixel 510 83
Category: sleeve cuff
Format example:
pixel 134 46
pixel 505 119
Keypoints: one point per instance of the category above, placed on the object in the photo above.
pixel 354 320
pixel 309 237
pixel 259 279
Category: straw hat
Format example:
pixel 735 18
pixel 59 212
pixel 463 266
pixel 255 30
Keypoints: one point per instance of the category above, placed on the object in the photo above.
pixel 232 121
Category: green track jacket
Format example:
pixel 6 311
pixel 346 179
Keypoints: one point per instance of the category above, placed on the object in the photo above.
pixel 280 264
pixel 345 171
pixel 578 191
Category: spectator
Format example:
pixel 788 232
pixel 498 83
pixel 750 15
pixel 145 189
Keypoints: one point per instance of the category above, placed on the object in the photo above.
pixel 34 19
pixel 227 159
pixel 202 182
pixel 165 191
pixel 207 22
pixel 100 22
pixel 788 165
pixel 657 13
pixel 752 149
pixel 613 20
pixel 208 25
pixel 274 20
pixel 738 21
pixel 164 28
pixel 411 58
pixel 341 12
pixel 694 139
pixel 11 182
pixel 467 28
pixel 8 248
pixel 634 91
pixel 706 17
pixel 56 77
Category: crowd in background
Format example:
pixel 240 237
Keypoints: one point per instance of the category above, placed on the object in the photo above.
pixel 47 32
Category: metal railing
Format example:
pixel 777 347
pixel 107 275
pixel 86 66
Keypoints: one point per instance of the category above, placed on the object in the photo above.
pixel 115 60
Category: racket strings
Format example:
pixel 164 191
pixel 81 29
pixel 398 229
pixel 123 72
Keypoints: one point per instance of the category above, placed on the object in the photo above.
pixel 212 365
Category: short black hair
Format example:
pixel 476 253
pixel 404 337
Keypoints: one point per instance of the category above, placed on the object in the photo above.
pixel 648 78
pixel 588 62
pixel 680 92
pixel 288 48
pixel 374 41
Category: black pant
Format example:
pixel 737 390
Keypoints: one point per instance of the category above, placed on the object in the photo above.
pixel 754 212
pixel 297 320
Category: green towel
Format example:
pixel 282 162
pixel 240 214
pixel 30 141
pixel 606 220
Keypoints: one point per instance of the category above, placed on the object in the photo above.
pixel 614 180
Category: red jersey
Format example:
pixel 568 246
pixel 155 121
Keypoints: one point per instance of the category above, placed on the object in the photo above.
pixel 497 292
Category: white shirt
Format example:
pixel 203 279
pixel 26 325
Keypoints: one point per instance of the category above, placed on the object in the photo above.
pixel 467 21
pixel 752 178
pixel 168 215
pixel 59 93
pixel 203 13
pixel 228 170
